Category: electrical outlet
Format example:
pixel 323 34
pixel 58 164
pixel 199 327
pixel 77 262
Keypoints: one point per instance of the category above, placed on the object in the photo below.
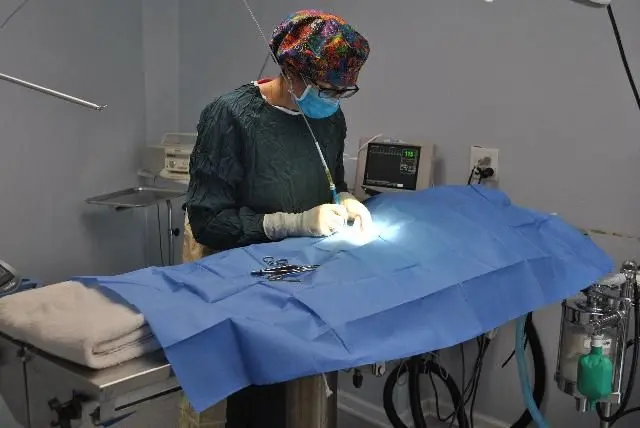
pixel 485 157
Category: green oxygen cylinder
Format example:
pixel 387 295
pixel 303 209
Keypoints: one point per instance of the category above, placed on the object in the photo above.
pixel 595 373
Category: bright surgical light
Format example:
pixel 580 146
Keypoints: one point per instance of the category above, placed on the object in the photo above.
pixel 355 236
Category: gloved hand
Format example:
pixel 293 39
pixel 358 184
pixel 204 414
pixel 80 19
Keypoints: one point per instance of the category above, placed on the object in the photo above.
pixel 323 220
pixel 356 211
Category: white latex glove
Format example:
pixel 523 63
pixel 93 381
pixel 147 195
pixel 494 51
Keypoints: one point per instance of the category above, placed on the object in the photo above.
pixel 323 220
pixel 356 212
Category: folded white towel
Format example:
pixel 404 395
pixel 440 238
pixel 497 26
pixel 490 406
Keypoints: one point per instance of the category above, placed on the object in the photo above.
pixel 77 323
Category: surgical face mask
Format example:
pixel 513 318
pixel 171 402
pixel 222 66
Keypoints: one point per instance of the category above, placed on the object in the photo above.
pixel 314 106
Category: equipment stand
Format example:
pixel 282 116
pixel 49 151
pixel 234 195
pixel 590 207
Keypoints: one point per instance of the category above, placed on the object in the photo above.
pixel 142 197
pixel 606 411
pixel 312 402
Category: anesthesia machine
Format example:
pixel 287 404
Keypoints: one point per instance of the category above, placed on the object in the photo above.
pixel 594 342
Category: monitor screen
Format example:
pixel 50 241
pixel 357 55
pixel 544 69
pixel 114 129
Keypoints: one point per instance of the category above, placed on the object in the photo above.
pixel 392 165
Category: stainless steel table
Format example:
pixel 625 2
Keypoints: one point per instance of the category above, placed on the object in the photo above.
pixel 41 389
pixel 142 197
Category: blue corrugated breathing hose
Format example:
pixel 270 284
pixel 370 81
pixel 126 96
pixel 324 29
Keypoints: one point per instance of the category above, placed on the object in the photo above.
pixel 523 374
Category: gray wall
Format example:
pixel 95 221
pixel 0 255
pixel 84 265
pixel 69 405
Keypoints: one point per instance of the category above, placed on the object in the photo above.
pixel 161 56
pixel 56 154
pixel 540 80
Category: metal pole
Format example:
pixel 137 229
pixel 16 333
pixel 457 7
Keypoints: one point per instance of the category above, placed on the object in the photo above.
pixel 51 92
pixel 308 403
pixel 606 411
pixel 170 226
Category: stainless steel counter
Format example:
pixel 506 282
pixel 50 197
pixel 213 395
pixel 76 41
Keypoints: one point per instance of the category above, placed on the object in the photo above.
pixel 41 389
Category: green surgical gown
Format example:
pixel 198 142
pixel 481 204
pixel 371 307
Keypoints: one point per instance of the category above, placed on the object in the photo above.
pixel 252 159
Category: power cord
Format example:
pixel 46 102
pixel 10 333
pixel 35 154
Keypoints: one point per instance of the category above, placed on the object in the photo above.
pixel 417 366
pixel 470 388
pixel 483 344
pixel 464 392
pixel 485 173
pixel 481 170
pixel 623 55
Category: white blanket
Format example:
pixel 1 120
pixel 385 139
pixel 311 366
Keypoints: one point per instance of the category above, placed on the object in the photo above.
pixel 77 323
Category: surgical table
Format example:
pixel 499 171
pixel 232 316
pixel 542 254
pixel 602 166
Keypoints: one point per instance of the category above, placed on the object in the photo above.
pixel 487 261
pixel 42 390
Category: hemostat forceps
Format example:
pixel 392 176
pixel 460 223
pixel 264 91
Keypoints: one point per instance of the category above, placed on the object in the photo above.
pixel 280 269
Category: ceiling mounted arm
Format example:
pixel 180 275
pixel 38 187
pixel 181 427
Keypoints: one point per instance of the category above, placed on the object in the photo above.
pixel 593 3
pixel 60 95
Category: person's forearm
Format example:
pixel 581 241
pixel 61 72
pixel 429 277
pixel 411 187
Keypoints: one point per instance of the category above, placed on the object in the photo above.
pixel 230 228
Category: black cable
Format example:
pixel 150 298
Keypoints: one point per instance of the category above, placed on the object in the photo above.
pixel 472 385
pixel 427 367
pixel 460 400
pixel 160 234
pixel 454 392
pixel 415 399
pixel 473 170
pixel 435 393
pixel 623 55
pixel 387 396
pixel 483 346
pixel 464 392
pixel 513 353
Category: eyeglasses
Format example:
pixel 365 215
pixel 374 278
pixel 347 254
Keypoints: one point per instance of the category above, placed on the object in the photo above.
pixel 333 92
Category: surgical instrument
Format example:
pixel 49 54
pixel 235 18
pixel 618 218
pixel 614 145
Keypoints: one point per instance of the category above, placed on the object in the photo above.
pixel 332 186
pixel 280 269
pixel 272 261
pixel 284 270
pixel 52 92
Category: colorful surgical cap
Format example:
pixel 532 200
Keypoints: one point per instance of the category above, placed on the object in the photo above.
pixel 320 46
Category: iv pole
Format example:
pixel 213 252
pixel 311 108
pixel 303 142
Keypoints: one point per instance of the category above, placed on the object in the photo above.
pixel 42 89
pixel 51 92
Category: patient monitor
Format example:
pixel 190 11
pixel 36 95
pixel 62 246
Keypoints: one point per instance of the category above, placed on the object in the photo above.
pixel 393 165
pixel 9 279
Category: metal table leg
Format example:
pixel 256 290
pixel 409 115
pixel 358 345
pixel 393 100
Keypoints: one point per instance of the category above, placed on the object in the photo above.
pixel 606 411
pixel 308 405
pixel 173 232
pixel 170 227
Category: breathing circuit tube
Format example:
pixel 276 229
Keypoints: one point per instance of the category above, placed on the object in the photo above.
pixel 539 368
pixel 417 366
pixel 523 374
